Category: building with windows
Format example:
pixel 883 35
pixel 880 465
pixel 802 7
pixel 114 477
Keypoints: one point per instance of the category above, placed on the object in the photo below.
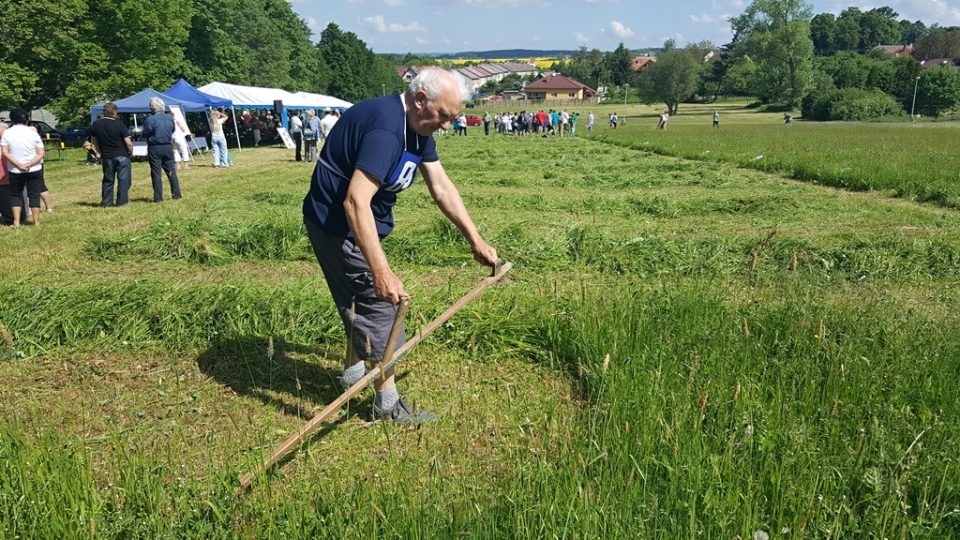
pixel 558 87
pixel 476 76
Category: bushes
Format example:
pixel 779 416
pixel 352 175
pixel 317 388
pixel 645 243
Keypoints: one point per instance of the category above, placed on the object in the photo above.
pixel 850 104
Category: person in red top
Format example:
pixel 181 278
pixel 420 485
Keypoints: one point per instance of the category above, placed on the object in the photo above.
pixel 541 120
pixel 6 211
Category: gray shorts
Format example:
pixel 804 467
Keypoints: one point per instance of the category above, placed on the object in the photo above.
pixel 366 319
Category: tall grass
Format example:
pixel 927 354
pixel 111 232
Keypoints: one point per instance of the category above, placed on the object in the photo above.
pixel 698 418
pixel 682 349
pixel 906 160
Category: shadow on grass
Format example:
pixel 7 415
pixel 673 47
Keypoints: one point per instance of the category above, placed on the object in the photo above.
pixel 285 382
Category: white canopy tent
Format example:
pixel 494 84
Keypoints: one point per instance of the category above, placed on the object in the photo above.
pixel 250 97
pixel 320 101
pixel 254 97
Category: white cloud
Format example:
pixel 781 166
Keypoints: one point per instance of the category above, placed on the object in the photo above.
pixel 580 37
pixel 929 11
pixel 594 2
pixel 378 24
pixel 314 25
pixel 703 19
pixel 493 3
pixel 395 3
pixel 420 40
pixel 355 2
pixel 620 30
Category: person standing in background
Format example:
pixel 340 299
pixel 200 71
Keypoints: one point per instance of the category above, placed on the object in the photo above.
pixel 296 132
pixel 311 135
pixel 181 153
pixel 111 139
pixel 158 130
pixel 23 150
pixel 6 210
pixel 326 124
pixel 716 119
pixel 217 139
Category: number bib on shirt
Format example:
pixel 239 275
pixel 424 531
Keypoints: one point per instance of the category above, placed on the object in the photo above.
pixel 404 174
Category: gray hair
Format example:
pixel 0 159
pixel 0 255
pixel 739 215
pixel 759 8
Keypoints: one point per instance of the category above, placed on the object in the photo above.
pixel 157 105
pixel 434 81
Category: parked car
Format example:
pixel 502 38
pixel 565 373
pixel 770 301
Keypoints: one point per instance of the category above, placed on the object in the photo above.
pixel 75 134
pixel 47 133
pixel 474 120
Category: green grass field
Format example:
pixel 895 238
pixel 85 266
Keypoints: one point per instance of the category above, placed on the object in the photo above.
pixel 683 349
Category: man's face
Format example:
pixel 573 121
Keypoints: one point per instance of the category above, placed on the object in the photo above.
pixel 428 116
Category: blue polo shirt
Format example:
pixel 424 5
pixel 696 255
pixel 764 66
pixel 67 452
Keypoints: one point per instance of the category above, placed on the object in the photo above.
pixel 371 136
pixel 158 129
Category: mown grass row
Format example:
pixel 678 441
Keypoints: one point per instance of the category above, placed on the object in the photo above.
pixel 908 161
pixel 436 242
pixel 700 418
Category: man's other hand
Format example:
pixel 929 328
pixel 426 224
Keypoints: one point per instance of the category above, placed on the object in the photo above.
pixel 484 253
pixel 389 287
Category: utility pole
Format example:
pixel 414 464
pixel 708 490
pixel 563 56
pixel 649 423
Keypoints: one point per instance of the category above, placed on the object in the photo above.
pixel 912 105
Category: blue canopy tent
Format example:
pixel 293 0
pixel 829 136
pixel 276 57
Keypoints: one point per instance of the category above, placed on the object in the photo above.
pixel 184 90
pixel 140 102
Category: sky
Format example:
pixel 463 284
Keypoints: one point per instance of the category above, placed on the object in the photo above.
pixel 439 26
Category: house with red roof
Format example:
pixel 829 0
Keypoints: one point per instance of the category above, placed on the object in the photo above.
pixel 640 63
pixel 896 50
pixel 557 87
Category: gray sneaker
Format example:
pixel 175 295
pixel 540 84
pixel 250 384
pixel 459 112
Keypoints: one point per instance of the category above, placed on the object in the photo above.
pixel 402 413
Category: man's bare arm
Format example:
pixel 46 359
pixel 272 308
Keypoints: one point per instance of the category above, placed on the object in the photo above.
pixel 356 206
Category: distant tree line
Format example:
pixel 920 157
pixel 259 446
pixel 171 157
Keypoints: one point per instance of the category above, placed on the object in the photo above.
pixel 68 54
pixel 788 57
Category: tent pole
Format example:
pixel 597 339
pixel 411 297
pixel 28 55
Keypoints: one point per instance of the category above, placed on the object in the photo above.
pixel 236 127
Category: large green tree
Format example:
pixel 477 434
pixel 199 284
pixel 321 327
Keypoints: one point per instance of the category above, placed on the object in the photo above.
pixel 911 32
pixel 355 71
pixel 672 79
pixel 823 30
pixel 41 43
pixel 939 43
pixel 775 34
pixel 938 91
pixel 619 65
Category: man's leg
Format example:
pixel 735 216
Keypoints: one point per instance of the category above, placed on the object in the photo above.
pixel 123 170
pixel 106 186
pixel 170 166
pixel 153 156
pixel 367 320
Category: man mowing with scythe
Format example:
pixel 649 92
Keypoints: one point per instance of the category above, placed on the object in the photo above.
pixel 372 154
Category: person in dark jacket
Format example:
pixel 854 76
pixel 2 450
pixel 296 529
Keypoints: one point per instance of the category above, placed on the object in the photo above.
pixel 158 131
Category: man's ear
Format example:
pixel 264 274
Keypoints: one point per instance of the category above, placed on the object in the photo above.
pixel 420 100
